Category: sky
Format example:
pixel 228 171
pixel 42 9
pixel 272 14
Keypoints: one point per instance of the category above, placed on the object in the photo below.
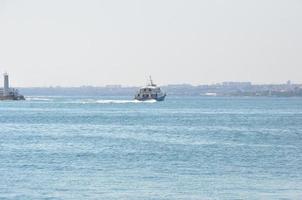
pixel 101 42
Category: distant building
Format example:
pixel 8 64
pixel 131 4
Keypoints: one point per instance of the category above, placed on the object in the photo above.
pixel 179 85
pixel 113 86
pixel 237 84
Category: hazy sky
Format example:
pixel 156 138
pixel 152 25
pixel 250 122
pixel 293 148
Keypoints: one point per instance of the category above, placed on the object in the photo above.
pixel 87 42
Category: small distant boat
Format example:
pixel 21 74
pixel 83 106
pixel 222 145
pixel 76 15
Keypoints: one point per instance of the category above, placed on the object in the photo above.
pixel 150 92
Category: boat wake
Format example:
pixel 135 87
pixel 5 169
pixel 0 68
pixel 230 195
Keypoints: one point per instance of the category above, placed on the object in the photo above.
pixel 37 99
pixel 107 101
pixel 86 101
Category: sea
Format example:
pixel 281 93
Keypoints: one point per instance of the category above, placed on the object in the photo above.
pixel 117 148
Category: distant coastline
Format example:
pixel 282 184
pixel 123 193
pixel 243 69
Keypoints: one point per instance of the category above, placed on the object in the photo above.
pixel 221 89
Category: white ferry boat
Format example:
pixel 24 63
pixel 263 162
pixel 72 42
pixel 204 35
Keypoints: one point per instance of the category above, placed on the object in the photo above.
pixel 150 92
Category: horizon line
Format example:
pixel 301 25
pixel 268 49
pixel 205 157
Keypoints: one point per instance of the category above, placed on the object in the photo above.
pixel 164 85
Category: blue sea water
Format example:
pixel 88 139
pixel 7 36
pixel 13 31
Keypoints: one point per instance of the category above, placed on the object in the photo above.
pixel 188 148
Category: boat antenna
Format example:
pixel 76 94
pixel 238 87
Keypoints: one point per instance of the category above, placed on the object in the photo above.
pixel 151 82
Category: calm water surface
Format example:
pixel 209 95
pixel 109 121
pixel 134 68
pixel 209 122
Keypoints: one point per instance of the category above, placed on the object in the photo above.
pixel 184 148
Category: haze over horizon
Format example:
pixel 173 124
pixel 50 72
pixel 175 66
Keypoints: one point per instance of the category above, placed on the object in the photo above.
pixel 76 42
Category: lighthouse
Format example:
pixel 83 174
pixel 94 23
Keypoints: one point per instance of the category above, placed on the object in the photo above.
pixel 6 85
pixel 8 93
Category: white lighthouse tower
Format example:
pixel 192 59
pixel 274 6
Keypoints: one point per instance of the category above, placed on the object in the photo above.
pixel 8 93
pixel 6 85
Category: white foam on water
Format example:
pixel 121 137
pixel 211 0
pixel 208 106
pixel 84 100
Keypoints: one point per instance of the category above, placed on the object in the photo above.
pixel 37 99
pixel 89 101
pixel 115 101
pixel 103 101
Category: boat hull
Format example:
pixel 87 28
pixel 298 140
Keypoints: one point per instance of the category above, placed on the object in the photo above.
pixel 161 98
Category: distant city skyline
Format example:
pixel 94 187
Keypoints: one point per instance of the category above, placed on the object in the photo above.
pixel 98 43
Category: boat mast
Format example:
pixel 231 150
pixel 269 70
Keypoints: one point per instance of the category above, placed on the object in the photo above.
pixel 151 81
